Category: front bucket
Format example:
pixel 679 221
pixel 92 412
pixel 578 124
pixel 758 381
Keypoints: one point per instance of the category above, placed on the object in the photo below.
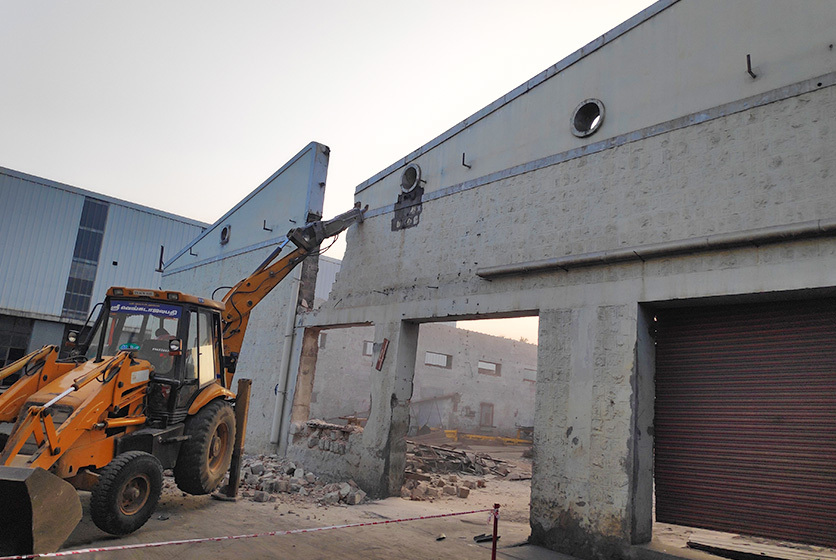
pixel 38 513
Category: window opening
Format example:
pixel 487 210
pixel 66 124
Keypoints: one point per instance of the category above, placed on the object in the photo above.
pixel 439 360
pixel 488 368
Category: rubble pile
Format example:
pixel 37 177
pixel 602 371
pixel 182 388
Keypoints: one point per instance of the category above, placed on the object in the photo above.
pixel 429 487
pixel 269 478
pixel 324 435
pixel 438 459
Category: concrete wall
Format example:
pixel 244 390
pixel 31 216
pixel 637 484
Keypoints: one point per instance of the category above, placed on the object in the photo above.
pixel 701 183
pixel 290 197
pixel 442 397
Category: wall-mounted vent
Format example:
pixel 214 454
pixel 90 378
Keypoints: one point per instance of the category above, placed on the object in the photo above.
pixel 587 117
pixel 410 178
pixel 226 231
pixel 408 207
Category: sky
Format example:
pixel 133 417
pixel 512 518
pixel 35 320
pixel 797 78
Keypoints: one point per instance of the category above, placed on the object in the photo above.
pixel 188 105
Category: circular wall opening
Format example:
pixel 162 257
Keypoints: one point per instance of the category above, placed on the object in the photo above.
pixel 225 232
pixel 587 117
pixel 410 177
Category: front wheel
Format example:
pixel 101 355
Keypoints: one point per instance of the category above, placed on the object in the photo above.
pixel 204 458
pixel 127 493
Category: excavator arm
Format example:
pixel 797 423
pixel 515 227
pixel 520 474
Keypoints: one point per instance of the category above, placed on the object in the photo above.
pixel 249 292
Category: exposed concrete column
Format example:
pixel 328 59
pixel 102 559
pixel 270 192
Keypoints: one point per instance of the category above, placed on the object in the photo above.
pixel 644 394
pixel 583 430
pixel 301 406
pixel 383 458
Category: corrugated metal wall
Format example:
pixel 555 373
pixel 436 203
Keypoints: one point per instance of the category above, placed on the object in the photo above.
pixel 746 419
pixel 132 239
pixel 39 221
pixel 38 228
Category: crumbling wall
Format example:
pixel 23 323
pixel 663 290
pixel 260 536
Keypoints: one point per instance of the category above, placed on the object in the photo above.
pixel 684 184
pixel 727 199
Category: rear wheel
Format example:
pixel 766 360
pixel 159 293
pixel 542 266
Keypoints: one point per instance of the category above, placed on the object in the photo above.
pixel 127 493
pixel 204 458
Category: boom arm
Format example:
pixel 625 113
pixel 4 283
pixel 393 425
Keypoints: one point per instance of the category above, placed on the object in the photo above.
pixel 249 292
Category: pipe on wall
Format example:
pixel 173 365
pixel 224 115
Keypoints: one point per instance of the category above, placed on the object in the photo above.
pixel 752 237
pixel 284 362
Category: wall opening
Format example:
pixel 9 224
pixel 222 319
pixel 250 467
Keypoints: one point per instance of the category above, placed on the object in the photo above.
pixel 342 384
pixel 472 413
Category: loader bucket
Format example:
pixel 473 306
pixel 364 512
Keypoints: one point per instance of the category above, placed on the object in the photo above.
pixel 39 511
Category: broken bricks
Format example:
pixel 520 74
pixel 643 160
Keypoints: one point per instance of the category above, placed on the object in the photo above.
pixel 442 459
pixel 426 487
pixel 265 477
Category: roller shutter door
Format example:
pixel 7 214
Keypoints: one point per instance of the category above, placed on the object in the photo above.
pixel 746 419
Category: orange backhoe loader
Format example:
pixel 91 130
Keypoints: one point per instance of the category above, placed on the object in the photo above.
pixel 148 389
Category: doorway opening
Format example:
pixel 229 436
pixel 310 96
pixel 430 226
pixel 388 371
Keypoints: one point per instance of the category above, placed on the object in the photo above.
pixel 472 413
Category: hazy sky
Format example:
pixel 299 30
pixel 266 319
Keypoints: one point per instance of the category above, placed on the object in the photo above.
pixel 188 105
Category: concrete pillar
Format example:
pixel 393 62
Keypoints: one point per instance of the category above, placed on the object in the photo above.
pixel 383 456
pixel 581 492
pixel 301 407
pixel 644 393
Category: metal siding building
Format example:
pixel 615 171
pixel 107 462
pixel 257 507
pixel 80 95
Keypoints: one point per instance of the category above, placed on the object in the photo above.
pixel 63 247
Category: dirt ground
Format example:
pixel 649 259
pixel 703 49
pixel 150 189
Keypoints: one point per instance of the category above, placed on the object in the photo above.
pixel 180 516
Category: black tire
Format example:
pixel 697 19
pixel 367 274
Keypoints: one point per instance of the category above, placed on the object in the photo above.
pixel 204 458
pixel 127 493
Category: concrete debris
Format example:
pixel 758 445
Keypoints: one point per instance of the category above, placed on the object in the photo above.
pixel 431 487
pixel 269 478
pixel 440 459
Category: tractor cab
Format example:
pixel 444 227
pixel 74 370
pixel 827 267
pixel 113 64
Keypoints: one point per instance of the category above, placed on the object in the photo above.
pixel 177 334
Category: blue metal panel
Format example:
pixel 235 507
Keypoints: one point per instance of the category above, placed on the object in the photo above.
pixel 39 222
pixel 38 227
pixel 132 240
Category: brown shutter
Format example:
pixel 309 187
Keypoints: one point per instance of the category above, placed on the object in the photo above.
pixel 746 419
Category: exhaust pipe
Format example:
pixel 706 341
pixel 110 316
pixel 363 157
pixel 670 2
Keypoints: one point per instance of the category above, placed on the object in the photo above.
pixel 40 510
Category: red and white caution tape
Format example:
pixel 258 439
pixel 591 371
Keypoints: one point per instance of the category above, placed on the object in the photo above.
pixel 238 537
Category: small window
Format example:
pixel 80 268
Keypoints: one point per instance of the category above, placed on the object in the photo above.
pixel 322 338
pixel 486 415
pixel 368 348
pixel 488 368
pixel 438 360
pixel 530 375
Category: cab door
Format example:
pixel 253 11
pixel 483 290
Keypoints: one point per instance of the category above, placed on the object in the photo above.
pixel 202 359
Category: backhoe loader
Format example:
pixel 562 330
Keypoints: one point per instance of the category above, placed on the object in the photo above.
pixel 148 389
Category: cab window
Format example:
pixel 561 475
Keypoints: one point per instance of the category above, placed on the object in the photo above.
pixel 201 354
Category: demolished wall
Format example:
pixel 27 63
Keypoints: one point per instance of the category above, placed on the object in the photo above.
pixel 725 192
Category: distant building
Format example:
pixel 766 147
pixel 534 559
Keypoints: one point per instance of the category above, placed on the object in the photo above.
pixel 62 247
pixel 464 380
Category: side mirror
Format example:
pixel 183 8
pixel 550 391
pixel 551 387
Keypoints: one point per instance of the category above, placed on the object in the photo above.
pixel 175 346
pixel 231 361
pixel 72 338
